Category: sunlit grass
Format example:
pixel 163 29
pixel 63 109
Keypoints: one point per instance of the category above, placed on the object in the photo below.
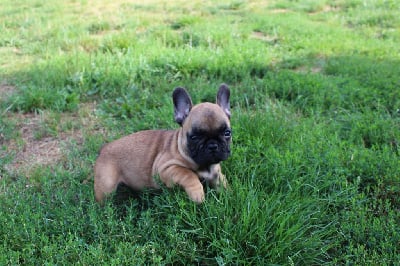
pixel 314 172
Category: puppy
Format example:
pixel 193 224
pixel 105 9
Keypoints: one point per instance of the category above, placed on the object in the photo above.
pixel 185 156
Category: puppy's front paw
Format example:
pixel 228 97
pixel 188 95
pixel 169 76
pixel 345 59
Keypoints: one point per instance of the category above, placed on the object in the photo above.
pixel 196 195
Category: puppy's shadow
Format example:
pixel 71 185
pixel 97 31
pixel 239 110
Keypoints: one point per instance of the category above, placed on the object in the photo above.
pixel 143 200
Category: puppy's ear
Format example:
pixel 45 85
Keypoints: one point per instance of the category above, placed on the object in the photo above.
pixel 182 105
pixel 223 99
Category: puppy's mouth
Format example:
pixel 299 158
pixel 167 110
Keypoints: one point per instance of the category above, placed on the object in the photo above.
pixel 207 157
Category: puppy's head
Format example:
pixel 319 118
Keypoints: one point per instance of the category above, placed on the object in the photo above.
pixel 206 130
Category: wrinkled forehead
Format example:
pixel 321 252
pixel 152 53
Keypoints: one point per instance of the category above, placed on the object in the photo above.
pixel 209 117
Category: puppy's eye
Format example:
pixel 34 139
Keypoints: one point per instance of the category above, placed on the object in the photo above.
pixel 193 137
pixel 228 133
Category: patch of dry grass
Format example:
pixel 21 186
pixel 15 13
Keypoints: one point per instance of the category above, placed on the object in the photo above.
pixel 41 139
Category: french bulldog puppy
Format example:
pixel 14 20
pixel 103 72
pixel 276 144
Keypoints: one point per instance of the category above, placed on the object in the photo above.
pixel 185 156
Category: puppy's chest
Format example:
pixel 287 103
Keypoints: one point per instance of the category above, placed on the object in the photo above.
pixel 208 174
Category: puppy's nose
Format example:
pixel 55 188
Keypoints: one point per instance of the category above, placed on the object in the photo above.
pixel 212 147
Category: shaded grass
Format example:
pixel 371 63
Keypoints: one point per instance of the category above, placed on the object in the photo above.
pixel 292 205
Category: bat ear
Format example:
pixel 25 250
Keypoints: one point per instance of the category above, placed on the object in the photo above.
pixel 182 105
pixel 223 99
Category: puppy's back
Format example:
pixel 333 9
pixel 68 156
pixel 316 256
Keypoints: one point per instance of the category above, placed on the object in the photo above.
pixel 130 160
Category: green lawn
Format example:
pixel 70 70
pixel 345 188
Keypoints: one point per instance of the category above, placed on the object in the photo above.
pixel 315 168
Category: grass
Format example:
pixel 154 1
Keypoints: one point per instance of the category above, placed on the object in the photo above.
pixel 314 174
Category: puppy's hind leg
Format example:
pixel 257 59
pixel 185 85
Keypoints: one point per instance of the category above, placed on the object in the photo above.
pixel 106 179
